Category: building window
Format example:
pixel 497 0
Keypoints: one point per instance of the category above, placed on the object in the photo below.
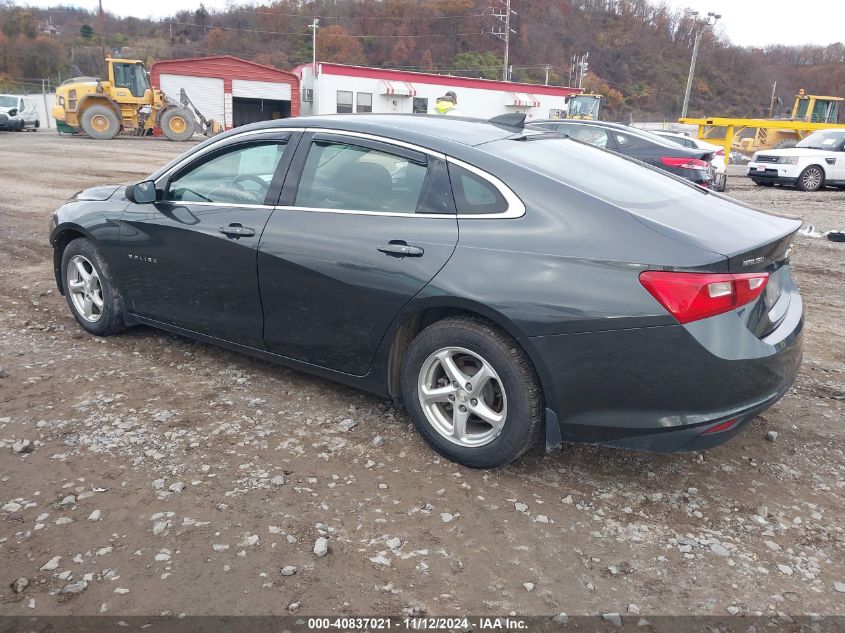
pixel 420 105
pixel 365 102
pixel 344 102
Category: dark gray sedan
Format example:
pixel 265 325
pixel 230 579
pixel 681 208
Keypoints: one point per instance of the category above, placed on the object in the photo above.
pixel 503 283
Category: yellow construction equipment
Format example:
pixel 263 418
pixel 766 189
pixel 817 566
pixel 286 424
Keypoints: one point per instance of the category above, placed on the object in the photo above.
pixel 585 106
pixel 809 113
pixel 126 102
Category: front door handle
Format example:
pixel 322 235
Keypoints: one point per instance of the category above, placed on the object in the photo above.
pixel 236 230
pixel 400 248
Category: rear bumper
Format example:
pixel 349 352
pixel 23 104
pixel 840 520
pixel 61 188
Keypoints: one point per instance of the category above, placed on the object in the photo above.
pixel 660 388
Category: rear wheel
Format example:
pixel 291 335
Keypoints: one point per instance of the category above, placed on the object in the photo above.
pixel 100 122
pixel 811 179
pixel 472 393
pixel 177 124
pixel 89 290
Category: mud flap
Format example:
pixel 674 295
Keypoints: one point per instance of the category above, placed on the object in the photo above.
pixel 553 437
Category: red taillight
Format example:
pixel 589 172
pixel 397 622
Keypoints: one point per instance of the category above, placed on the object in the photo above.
pixel 693 296
pixel 684 163
pixel 722 426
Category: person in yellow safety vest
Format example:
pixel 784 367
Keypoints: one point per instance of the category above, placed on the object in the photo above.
pixel 447 104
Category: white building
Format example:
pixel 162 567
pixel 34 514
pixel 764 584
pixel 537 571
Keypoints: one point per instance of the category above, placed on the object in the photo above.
pixel 342 89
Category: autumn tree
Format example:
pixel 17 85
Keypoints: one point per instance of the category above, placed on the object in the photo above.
pixel 334 44
pixel 217 41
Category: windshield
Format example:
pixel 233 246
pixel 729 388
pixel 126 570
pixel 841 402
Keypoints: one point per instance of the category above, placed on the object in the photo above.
pixel 584 106
pixel 8 102
pixel 603 174
pixel 823 139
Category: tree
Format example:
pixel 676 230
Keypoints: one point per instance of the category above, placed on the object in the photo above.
pixel 217 41
pixel 86 32
pixel 485 65
pixel 334 44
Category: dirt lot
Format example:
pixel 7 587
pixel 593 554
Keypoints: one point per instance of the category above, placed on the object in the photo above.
pixel 170 476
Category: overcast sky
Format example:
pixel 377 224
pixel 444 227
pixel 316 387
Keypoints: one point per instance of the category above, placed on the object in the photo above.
pixel 744 22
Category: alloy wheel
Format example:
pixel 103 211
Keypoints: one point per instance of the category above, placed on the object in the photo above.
pixel 85 288
pixel 812 178
pixel 462 396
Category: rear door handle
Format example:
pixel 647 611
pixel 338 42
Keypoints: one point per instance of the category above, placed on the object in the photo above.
pixel 236 230
pixel 399 248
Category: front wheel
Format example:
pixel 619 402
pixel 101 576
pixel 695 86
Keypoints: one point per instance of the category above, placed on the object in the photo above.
pixel 177 124
pixel 472 393
pixel 89 290
pixel 811 179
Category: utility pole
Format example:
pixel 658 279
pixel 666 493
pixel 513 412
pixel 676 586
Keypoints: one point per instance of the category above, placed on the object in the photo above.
pixel 701 25
pixel 103 38
pixel 313 26
pixel 504 32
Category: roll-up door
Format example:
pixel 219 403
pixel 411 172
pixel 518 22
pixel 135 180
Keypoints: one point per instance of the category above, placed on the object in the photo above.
pixel 272 90
pixel 206 93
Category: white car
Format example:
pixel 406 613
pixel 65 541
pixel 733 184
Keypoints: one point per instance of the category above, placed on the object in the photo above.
pixel 720 171
pixel 815 162
pixel 18 113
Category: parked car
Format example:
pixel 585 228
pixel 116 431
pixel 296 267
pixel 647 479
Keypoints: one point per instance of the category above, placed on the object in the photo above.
pixel 18 113
pixel 720 170
pixel 500 282
pixel 691 164
pixel 815 162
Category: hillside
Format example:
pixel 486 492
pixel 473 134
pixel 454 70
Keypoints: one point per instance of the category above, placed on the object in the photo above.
pixel 639 50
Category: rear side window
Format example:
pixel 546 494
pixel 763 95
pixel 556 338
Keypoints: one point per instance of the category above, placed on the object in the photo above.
pixel 475 195
pixel 356 178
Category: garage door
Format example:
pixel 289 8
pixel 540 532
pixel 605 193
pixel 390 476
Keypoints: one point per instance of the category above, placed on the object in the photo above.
pixel 206 93
pixel 273 90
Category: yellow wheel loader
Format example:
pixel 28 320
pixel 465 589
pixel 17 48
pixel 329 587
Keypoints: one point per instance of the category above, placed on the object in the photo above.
pixel 126 102
pixel 808 114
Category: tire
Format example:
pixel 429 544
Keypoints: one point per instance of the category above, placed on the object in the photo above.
pixel 512 393
pixel 811 179
pixel 37 124
pixel 177 124
pixel 109 316
pixel 100 122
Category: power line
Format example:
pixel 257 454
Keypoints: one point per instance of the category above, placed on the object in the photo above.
pixel 263 32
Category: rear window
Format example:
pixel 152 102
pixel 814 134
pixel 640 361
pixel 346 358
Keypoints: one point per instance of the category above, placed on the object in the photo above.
pixel 600 173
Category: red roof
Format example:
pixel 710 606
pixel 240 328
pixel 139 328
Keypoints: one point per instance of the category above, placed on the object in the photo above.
pixel 443 80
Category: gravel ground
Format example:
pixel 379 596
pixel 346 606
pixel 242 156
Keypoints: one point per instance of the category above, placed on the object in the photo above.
pixel 146 473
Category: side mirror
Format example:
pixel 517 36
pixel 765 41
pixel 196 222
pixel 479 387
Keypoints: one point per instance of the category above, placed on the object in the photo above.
pixel 142 192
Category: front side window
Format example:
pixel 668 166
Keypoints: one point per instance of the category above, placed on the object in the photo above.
pixel 241 175
pixel 344 102
pixel 365 102
pixel 355 178
pixel 591 134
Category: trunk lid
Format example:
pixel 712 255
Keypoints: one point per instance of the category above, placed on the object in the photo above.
pixel 750 240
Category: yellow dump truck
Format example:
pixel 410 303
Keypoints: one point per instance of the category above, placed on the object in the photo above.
pixel 126 102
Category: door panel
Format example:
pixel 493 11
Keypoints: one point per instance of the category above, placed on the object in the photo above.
pixel 329 294
pixel 191 259
pixel 350 249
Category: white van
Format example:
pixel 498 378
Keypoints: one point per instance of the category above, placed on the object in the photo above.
pixel 18 113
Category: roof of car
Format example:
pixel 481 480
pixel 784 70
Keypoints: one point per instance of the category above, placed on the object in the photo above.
pixel 412 128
